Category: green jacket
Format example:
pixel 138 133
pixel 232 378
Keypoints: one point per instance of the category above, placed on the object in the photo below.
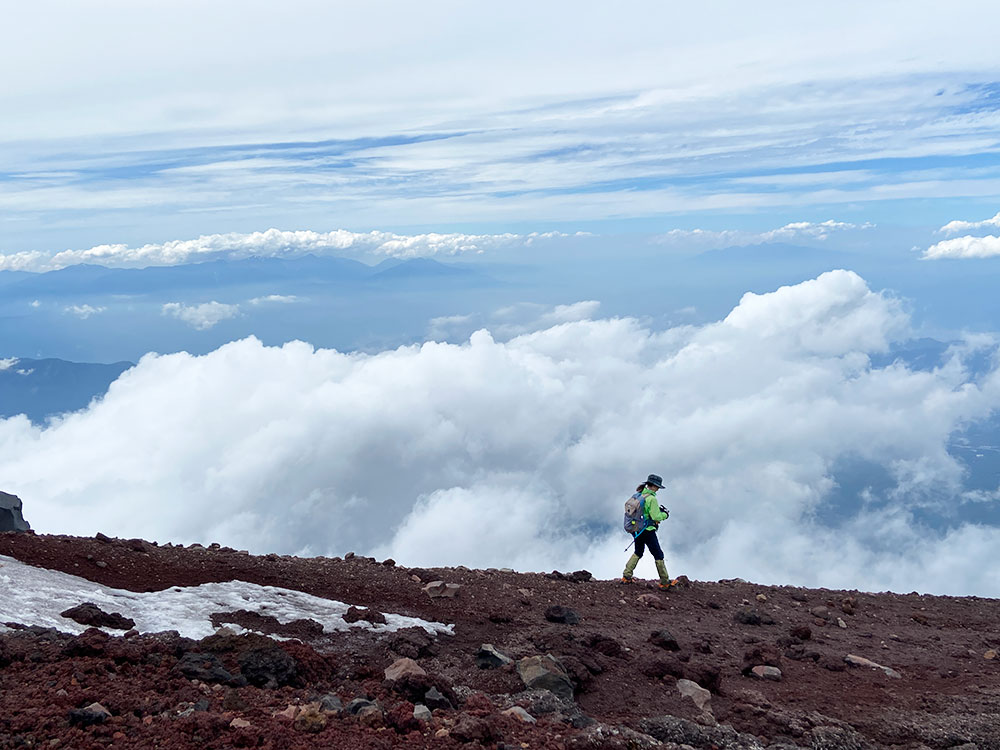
pixel 652 508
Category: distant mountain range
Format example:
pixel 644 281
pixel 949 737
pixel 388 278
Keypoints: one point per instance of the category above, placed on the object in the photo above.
pixel 40 388
pixel 308 270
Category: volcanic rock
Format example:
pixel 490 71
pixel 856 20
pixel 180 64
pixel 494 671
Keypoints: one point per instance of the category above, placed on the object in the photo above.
pixel 11 518
pixel 489 658
pixel 310 719
pixel 268 666
pixel 435 699
pixel 750 616
pixel 664 640
pixel 766 673
pixel 545 673
pixel 204 667
pixel 401 668
pixel 87 716
pixel 603 644
pixel 357 614
pixel 89 613
pixel 860 661
pixel 442 590
pixel 559 613
pixel 695 692
pixel 421 712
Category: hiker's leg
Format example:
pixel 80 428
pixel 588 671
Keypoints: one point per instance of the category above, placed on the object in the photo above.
pixel 640 545
pixel 661 567
pixel 653 543
pixel 661 570
pixel 630 566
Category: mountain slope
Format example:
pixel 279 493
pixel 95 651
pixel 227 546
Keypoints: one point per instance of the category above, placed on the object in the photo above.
pixel 43 387
pixel 625 659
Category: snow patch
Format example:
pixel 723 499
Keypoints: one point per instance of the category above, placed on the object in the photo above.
pixel 36 596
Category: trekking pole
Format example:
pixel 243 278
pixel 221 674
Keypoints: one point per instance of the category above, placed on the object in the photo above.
pixel 634 537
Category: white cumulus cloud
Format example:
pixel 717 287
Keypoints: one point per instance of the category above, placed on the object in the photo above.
pixel 953 227
pixel 272 243
pixel 705 239
pixel 520 453
pixel 280 299
pixel 203 316
pixel 84 311
pixel 964 247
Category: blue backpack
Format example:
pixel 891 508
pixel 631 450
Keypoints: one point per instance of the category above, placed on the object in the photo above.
pixel 635 514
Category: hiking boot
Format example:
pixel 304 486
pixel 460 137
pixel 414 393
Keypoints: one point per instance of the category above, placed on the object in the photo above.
pixel 627 580
pixel 667 586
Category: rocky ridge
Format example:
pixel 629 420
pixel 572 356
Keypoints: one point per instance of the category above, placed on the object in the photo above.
pixel 555 660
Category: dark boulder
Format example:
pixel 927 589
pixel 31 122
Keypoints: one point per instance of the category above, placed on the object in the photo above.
pixel 603 644
pixel 11 518
pixel 356 614
pixel 269 667
pixel 89 613
pixel 412 643
pixel 749 616
pixel 559 613
pixel 206 668
pixel 664 640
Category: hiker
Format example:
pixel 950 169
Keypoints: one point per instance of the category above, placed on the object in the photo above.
pixel 652 513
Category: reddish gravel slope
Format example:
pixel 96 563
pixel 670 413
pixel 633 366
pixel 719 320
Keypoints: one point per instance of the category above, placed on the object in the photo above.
pixel 625 685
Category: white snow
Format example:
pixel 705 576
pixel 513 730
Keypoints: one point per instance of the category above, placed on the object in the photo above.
pixel 36 596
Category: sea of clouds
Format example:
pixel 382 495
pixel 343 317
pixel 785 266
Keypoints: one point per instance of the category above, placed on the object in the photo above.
pixel 520 452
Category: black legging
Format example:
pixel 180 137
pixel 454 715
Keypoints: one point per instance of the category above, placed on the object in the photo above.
pixel 648 539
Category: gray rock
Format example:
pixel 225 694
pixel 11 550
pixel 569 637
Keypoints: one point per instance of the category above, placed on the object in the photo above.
pixel 356 705
pixel 545 673
pixel 520 714
pixel 822 613
pixel 421 712
pixel 860 661
pixel 664 639
pixel 695 692
pixel 605 737
pixel 766 673
pixel 541 702
pixel 489 658
pixel 11 518
pixel 748 616
pixel 331 703
pixel 206 668
pixel 559 613
pixel 838 738
pixel 684 732
pixel 442 590
pixel 401 668
pixel 434 699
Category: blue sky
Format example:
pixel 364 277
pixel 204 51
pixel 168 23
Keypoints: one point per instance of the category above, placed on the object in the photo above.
pixel 170 121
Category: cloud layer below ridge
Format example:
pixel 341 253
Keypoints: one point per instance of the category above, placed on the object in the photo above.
pixel 521 453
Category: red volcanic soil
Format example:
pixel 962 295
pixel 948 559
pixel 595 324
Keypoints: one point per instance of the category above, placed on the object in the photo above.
pixel 623 670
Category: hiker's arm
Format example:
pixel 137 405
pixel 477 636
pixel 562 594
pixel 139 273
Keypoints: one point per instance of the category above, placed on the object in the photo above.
pixel 653 510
